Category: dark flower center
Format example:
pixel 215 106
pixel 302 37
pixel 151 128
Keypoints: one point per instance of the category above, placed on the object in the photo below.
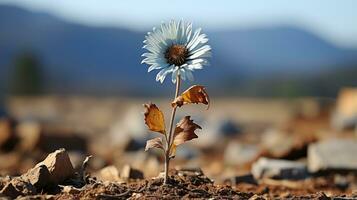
pixel 176 54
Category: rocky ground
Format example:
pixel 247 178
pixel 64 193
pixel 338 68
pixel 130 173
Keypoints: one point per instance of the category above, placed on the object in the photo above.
pixel 303 157
pixel 55 178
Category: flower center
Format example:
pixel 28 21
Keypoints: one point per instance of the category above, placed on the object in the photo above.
pixel 176 54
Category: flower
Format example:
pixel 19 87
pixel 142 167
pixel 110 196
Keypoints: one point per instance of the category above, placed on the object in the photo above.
pixel 173 48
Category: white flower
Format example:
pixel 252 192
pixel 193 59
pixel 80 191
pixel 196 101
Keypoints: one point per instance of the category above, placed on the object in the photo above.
pixel 173 48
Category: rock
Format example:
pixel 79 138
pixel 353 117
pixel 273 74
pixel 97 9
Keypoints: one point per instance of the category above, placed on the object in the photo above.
pixel 282 145
pixel 59 165
pixel 277 143
pixel 109 173
pixel 336 154
pixel 240 154
pixel 17 187
pixel 345 115
pixel 39 177
pixel 128 172
pixel 247 178
pixel 279 169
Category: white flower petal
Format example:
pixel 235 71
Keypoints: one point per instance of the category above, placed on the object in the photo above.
pixel 194 38
pixel 195 66
pixel 174 75
pixel 200 39
pixel 202 50
pixel 200 54
pixel 182 73
pixel 157 66
pixel 163 73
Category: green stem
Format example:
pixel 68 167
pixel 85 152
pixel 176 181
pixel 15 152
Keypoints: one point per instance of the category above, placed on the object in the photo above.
pixel 168 146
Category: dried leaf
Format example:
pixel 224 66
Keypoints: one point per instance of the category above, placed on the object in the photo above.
pixel 194 94
pixel 154 143
pixel 154 118
pixel 185 131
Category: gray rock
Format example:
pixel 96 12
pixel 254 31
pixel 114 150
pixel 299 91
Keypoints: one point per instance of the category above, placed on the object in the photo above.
pixel 247 178
pixel 59 165
pixel 337 154
pixel 279 169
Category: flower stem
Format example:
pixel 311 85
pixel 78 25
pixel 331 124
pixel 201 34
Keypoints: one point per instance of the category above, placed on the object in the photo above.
pixel 168 147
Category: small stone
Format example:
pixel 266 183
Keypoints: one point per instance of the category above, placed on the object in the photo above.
pixel 38 176
pixel 279 169
pixel 336 154
pixel 130 173
pixel 59 165
pixel 109 173
pixel 247 178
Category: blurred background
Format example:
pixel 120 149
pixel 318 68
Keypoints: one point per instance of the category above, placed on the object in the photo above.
pixel 70 76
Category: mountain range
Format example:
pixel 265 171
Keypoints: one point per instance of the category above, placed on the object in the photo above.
pixel 84 59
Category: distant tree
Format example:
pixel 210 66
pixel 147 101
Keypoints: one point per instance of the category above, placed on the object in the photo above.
pixel 26 75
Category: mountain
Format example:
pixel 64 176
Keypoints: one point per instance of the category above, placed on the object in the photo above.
pixel 106 60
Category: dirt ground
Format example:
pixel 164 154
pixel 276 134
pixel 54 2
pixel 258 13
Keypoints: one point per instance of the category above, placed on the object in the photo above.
pixel 195 185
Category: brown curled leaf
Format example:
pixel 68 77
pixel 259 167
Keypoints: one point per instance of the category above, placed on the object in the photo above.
pixel 154 118
pixel 195 94
pixel 154 143
pixel 185 131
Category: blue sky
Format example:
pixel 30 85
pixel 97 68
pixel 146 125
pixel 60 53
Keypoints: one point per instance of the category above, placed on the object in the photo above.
pixel 333 20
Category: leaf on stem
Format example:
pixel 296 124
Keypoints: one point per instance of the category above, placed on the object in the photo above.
pixel 154 143
pixel 185 131
pixel 154 118
pixel 195 94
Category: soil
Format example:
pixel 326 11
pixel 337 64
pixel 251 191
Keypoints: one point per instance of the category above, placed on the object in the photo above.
pixel 195 185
